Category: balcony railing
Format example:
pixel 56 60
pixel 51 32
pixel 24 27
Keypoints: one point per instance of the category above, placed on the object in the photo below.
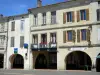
pixel 34 47
pixel 43 46
pixel 52 46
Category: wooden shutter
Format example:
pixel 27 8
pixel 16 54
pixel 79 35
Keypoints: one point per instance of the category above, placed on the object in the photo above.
pixel 73 16
pixel 21 41
pixel 78 16
pixel 64 36
pixel 78 35
pixel 64 18
pixel 87 14
pixel 88 35
pixel 12 42
pixel 73 35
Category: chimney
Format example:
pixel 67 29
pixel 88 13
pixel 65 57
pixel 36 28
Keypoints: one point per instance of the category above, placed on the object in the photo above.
pixel 39 3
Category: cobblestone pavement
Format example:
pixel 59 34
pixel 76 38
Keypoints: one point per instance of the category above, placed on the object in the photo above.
pixel 47 72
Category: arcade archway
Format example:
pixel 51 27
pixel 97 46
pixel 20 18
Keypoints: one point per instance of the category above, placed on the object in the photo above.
pixel 78 60
pixel 1 60
pixel 41 62
pixel 98 63
pixel 17 61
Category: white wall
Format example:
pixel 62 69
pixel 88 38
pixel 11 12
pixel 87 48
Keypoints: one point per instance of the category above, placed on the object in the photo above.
pixel 17 33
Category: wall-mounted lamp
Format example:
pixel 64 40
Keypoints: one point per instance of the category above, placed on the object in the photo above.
pixel 26 55
pixel 90 27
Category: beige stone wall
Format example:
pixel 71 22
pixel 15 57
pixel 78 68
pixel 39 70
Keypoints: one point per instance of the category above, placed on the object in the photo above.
pixel 60 27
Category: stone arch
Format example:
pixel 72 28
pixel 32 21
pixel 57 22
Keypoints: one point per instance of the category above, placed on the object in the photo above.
pixel 41 62
pixel 78 60
pixel 17 61
pixel 98 63
pixel 1 60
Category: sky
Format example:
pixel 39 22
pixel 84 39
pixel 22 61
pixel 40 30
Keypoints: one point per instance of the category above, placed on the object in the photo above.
pixel 15 7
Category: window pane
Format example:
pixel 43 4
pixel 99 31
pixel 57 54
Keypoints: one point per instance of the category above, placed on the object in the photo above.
pixel 53 17
pixel 53 37
pixel 98 14
pixel 22 25
pixel 35 19
pixel 44 18
pixel 69 35
pixel 83 32
pixel 21 41
pixel 12 41
pixel 2 27
pixel 69 17
pixel 83 14
pixel 12 26
pixel 35 39
pixel 44 38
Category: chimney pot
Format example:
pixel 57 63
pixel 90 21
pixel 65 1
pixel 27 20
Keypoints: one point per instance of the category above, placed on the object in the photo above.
pixel 39 3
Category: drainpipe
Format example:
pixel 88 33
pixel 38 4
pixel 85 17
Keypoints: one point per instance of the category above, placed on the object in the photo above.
pixel 6 42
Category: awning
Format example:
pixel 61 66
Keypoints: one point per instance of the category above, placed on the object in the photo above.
pixel 98 56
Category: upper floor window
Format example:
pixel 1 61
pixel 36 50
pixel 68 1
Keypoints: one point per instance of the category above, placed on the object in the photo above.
pixel 13 26
pixel 35 19
pixel 98 2
pixel 98 14
pixel 44 18
pixel 53 17
pixel 12 41
pixel 68 17
pixel 2 38
pixel 69 35
pixel 22 25
pixel 83 34
pixel 35 39
pixel 2 27
pixel 53 38
pixel 83 15
pixel 21 41
pixel 43 38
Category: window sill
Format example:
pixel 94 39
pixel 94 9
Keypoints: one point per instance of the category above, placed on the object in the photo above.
pixel 83 40
pixel 53 23
pixel 43 25
pixel 83 20
pixel 35 25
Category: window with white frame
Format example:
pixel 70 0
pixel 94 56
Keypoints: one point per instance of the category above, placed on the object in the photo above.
pixel 53 37
pixel 35 39
pixel 12 41
pixel 22 25
pixel 21 41
pixel 69 16
pixel 53 17
pixel 2 38
pixel 2 27
pixel 13 26
pixel 44 18
pixel 35 19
